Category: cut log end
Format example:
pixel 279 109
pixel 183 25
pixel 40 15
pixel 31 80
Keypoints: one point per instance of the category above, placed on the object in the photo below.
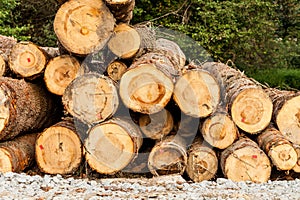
pixel 219 131
pixel 59 73
pixel 197 93
pixel 27 59
pixel 111 146
pixel 296 168
pixel 146 89
pixel 288 119
pixel 252 110
pixel 58 150
pixel 116 69
pixel 76 25
pixel 126 41
pixel 5 161
pixel 284 156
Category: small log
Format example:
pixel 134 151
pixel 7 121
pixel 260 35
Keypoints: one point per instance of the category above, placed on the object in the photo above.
pixel 91 98
pixel 24 107
pixel 169 156
pixel 197 93
pixel 202 163
pixel 82 26
pixel 286 112
pixel 27 60
pixel 121 9
pixel 296 168
pixel 278 148
pixel 112 145
pixel 156 126
pixel 58 149
pixel 147 85
pixel 245 161
pixel 219 130
pixel 248 104
pixel 18 154
pixel 116 69
pixel 126 41
pixel 60 72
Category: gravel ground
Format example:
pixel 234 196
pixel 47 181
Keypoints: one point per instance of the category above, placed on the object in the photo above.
pixel 22 186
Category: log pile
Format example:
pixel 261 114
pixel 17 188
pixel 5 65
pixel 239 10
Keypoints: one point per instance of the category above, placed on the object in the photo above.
pixel 117 97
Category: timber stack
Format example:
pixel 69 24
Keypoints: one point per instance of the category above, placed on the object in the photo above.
pixel 114 96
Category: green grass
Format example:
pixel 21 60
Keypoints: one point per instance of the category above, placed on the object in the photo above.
pixel 281 78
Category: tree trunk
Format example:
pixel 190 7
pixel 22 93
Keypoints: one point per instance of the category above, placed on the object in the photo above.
pixel 286 112
pixel 60 72
pixel 202 163
pixel 27 60
pixel 112 145
pixel 219 130
pixel 82 26
pixel 296 168
pixel 58 148
pixel 18 154
pixel 91 98
pixel 147 86
pixel 248 104
pixel 121 9
pixel 168 156
pixel 278 148
pixel 156 126
pixel 245 161
pixel 25 107
pixel 197 93
pixel 116 69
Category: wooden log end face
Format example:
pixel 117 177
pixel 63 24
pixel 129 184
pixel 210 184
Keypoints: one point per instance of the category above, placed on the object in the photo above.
pixel 284 156
pixel 288 119
pixel 58 151
pixel 5 161
pixel 252 110
pixel 4 110
pixel 296 168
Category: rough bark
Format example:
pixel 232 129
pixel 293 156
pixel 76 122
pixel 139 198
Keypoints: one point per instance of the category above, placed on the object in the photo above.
pixel 247 103
pixel 91 98
pixel 58 148
pixel 202 163
pixel 18 154
pixel 3 66
pixel 60 72
pixel 219 130
pixel 82 26
pixel 116 69
pixel 112 145
pixel 197 93
pixel 156 126
pixel 27 60
pixel 147 86
pixel 245 161
pixel 278 148
pixel 168 156
pixel 296 168
pixel 286 112
pixel 24 107
pixel 6 44
pixel 121 9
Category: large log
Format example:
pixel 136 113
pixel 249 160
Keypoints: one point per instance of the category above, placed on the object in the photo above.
pixel 60 72
pixel 278 148
pixel 82 26
pixel 18 154
pixel 286 112
pixel 219 130
pixel 202 163
pixel 245 161
pixel 121 9
pixel 147 85
pixel 91 98
pixel 197 93
pixel 58 149
pixel 112 145
pixel 27 60
pixel 24 107
pixel 248 104
pixel 168 156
